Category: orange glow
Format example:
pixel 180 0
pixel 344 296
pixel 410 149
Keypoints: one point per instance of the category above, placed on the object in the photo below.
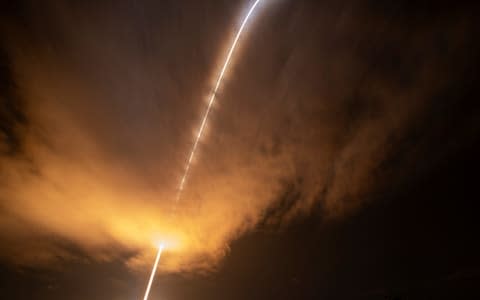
pixel 80 190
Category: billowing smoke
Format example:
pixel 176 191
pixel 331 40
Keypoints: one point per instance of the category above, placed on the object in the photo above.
pixel 326 105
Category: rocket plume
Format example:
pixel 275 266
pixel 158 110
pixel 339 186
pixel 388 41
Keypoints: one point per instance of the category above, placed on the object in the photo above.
pixel 199 135
pixel 154 270
pixel 212 100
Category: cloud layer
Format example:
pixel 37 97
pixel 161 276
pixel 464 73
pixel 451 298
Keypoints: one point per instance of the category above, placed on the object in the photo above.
pixel 324 106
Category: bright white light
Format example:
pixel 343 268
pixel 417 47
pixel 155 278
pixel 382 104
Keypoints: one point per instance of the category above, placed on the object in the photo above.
pixel 198 136
pixel 154 270
pixel 212 99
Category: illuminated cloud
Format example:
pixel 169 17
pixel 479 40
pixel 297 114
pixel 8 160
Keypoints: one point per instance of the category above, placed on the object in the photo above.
pixel 108 103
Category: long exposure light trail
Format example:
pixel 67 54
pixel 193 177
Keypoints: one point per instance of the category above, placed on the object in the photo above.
pixel 154 270
pixel 212 100
pixel 201 130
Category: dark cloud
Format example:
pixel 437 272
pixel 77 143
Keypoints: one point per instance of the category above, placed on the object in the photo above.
pixel 12 119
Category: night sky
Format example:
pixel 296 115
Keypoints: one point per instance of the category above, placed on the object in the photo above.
pixel 340 160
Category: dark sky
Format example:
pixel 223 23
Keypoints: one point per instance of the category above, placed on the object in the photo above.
pixel 340 161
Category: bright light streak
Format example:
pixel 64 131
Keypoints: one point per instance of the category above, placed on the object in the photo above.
pixel 201 130
pixel 154 270
pixel 212 100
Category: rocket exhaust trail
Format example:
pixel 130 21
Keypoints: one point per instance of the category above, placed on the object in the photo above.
pixel 201 130
pixel 212 100
pixel 154 270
